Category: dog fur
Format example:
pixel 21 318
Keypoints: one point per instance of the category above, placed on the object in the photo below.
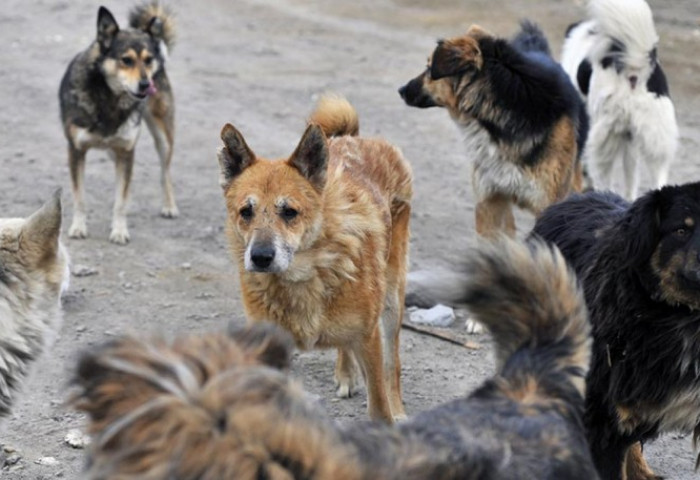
pixel 105 92
pixel 33 274
pixel 214 407
pixel 640 271
pixel 321 243
pixel 523 122
pixel 612 59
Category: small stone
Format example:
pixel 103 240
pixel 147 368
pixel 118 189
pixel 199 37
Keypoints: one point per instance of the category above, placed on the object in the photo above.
pixel 47 461
pixel 438 316
pixel 186 266
pixel 13 459
pixel 76 439
pixel 83 271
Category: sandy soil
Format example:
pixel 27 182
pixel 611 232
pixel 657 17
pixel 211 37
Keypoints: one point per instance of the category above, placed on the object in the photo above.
pixel 260 64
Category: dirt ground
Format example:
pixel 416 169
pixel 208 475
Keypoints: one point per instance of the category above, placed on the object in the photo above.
pixel 260 64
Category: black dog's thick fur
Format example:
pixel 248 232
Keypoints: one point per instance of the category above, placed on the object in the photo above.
pixel 640 269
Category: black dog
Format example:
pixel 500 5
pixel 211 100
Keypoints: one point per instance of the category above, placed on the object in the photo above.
pixel 640 268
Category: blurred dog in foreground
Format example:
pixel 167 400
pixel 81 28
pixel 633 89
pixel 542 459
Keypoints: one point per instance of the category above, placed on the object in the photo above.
pixel 321 243
pixel 216 407
pixel 105 92
pixel 33 274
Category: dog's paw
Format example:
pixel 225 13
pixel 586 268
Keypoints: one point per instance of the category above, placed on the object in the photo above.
pixel 473 327
pixel 120 236
pixel 78 229
pixel 347 386
pixel 170 212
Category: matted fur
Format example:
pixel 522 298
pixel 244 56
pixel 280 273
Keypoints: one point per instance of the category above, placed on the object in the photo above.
pixel 522 120
pixel 214 407
pixel 106 91
pixel 33 274
pixel 640 271
pixel 321 243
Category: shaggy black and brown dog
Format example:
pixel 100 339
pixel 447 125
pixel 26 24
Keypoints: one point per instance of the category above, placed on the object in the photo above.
pixel 220 407
pixel 640 268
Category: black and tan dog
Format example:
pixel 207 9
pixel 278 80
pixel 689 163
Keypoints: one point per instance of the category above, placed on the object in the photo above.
pixel 640 268
pixel 523 121
pixel 216 407
pixel 105 93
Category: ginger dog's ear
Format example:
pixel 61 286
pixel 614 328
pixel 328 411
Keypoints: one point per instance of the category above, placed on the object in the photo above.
pixel 311 156
pixel 235 156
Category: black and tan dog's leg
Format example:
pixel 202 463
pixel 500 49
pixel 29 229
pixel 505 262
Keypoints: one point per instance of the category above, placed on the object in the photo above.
pixel 636 467
pixel 76 163
pixel 124 164
pixel 161 124
pixel 494 215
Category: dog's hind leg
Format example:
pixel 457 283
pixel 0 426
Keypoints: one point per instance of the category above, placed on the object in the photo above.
pixel 160 121
pixel 124 164
pixel 76 163
pixel 630 160
pixel 392 316
pixel 636 467
pixel 369 356
pixel 346 374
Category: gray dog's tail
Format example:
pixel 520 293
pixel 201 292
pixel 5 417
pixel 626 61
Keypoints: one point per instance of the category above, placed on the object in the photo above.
pixel 531 38
pixel 156 19
pixel 530 300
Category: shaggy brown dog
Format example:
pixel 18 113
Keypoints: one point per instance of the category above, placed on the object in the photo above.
pixel 219 407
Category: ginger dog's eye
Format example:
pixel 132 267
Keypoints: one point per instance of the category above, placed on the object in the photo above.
pixel 288 213
pixel 246 212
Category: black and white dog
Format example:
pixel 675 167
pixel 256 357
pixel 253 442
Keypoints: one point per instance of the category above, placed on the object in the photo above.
pixel 612 59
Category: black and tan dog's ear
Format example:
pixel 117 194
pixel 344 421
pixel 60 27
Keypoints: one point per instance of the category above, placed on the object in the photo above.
pixel 269 343
pixel 454 56
pixel 311 156
pixel 41 231
pixel 235 156
pixel 640 230
pixel 107 28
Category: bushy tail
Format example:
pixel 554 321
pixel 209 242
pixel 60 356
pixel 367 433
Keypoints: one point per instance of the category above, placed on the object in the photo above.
pixel 142 17
pixel 628 21
pixel 531 39
pixel 336 116
pixel 204 407
pixel 530 301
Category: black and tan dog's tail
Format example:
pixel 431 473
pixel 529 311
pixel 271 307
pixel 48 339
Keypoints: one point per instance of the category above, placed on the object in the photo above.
pixel 336 116
pixel 156 19
pixel 204 407
pixel 531 302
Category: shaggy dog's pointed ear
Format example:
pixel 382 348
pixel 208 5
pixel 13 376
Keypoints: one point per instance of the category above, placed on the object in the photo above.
pixel 639 229
pixel 311 156
pixel 41 231
pixel 269 343
pixel 235 156
pixel 454 56
pixel 107 28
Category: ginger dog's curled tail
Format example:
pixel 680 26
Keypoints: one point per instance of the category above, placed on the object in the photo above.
pixel 336 116
pixel 531 302
pixel 154 18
